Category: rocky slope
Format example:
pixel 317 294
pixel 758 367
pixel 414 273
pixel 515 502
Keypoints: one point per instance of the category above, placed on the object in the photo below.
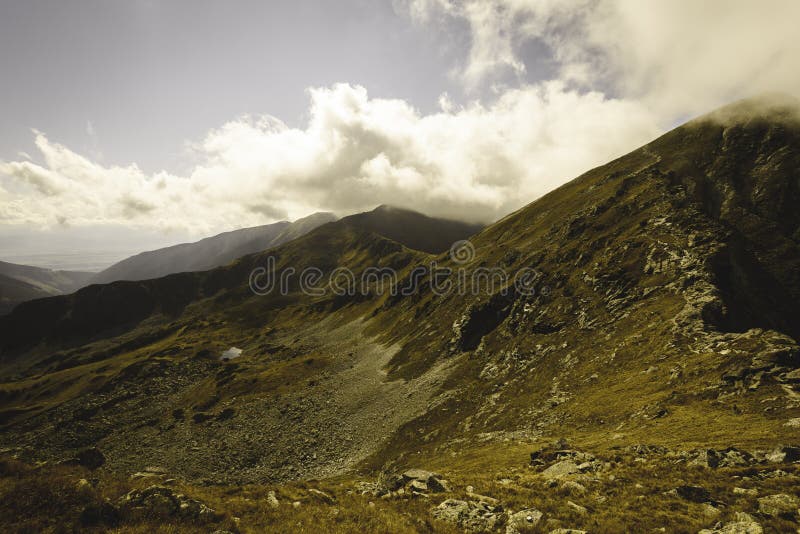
pixel 641 373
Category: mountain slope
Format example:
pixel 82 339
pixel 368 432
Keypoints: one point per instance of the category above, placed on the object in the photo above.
pixel 651 339
pixel 19 283
pixel 210 252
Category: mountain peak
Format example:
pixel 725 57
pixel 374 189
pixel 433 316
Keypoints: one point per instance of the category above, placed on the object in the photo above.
pixel 772 107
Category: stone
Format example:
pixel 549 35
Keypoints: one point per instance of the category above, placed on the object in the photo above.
pixel 372 488
pixel 524 519
pixel 784 455
pixel 561 469
pixel 577 508
pixel 745 491
pixel 417 486
pixel 470 516
pixel 730 457
pixel 437 485
pixel 321 495
pixel 155 470
pixel 710 511
pixel 272 500
pixel 165 503
pixel 778 505
pixel 567 531
pixel 742 524
pixel 418 474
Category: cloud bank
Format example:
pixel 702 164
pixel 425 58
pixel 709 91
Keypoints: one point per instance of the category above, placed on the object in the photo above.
pixel 626 70
pixel 475 162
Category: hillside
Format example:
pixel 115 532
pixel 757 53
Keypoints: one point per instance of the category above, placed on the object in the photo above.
pixel 210 252
pixel 641 374
pixel 19 283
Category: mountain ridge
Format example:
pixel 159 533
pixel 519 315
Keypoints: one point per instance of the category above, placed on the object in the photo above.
pixel 657 343
pixel 209 252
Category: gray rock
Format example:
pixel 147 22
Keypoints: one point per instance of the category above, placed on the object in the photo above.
pixel 437 485
pixel 742 524
pixel 471 516
pixel 165 503
pixel 417 486
pixel 778 505
pixel 561 469
pixel 577 508
pixel 523 519
pixel 418 474
pixel 784 455
pixel 322 496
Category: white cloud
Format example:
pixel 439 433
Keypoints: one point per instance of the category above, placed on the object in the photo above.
pixel 679 57
pixel 478 162
pixel 664 60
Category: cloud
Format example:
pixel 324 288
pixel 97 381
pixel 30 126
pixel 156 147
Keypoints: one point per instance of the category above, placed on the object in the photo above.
pixel 624 71
pixel 477 162
pixel 679 58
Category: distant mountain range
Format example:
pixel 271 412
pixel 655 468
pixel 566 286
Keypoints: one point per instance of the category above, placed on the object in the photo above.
pixel 19 283
pixel 210 252
pixel 414 230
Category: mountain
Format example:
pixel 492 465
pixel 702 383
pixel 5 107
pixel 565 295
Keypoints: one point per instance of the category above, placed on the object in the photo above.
pixel 619 355
pixel 19 283
pixel 210 252
pixel 413 229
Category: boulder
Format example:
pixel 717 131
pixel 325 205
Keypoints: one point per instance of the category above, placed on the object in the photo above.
pixel 165 503
pixel 418 474
pixel 438 485
pixel 784 455
pixel 322 496
pixel 417 487
pixel 742 524
pixel 581 510
pixel 730 457
pixel 470 516
pixel 561 469
pixel 778 505
pixel 524 519
pixel 410 482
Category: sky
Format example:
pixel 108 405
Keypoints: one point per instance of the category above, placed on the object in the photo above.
pixel 133 124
